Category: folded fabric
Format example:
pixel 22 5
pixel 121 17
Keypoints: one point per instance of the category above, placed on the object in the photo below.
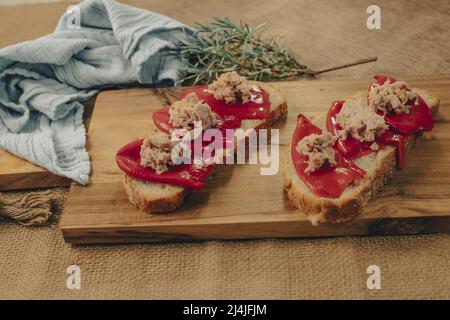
pixel 96 44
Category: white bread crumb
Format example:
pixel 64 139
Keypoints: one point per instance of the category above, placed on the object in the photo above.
pixel 374 146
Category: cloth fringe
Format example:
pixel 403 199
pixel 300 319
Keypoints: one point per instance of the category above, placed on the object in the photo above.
pixel 30 210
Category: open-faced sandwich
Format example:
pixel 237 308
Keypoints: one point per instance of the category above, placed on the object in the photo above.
pixel 332 173
pixel 155 182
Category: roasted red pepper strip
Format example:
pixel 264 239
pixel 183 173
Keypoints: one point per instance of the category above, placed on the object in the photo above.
pixel 161 119
pixel 327 182
pixel 257 108
pixel 186 175
pixel 353 148
pixel 419 117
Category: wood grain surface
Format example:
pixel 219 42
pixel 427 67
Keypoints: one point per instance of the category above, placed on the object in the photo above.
pixel 18 174
pixel 239 203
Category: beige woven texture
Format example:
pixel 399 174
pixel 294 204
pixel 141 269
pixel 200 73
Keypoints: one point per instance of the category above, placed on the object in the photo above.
pixel 414 40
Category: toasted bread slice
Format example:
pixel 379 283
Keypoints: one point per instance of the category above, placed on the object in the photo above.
pixel 158 197
pixel 379 166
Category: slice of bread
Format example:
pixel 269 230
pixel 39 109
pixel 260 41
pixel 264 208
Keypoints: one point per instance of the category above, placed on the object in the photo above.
pixel 379 167
pixel 158 197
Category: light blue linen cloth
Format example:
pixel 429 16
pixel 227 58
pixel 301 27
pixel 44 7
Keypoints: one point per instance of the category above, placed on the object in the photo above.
pixel 96 44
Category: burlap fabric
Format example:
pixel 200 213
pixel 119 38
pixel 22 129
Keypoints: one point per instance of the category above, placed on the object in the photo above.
pixel 34 260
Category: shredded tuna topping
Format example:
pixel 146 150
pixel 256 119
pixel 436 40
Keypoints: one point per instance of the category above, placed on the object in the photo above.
pixel 391 97
pixel 359 121
pixel 231 87
pixel 184 113
pixel 374 146
pixel 156 151
pixel 319 149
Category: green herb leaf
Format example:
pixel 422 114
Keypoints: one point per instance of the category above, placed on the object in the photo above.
pixel 223 46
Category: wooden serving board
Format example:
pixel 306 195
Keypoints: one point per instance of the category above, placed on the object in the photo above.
pixel 239 203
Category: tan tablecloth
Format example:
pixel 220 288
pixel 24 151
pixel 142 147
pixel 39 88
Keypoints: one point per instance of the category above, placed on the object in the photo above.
pixel 414 40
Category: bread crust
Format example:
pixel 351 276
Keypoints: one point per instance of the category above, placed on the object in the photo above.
pixel 172 199
pixel 147 202
pixel 321 210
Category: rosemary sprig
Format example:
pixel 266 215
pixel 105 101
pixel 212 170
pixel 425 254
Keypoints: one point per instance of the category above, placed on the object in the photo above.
pixel 223 45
